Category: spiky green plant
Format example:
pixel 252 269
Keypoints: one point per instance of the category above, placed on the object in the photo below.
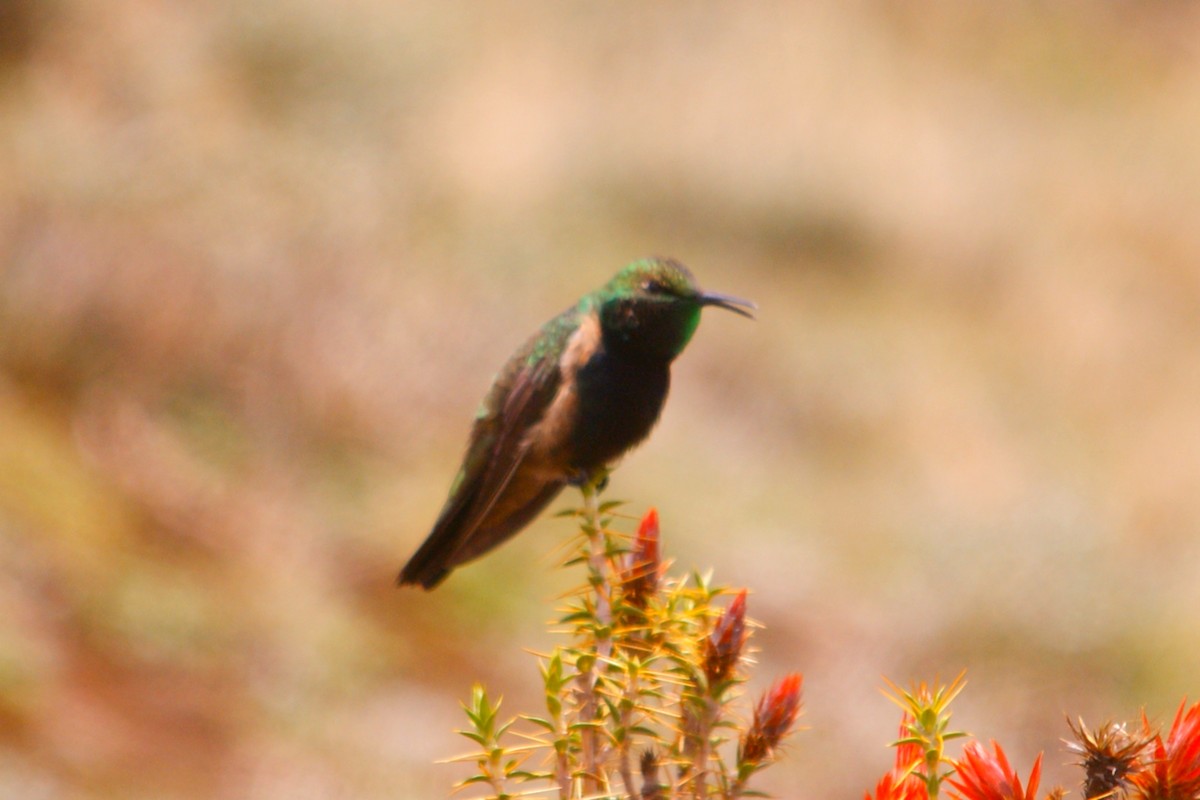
pixel 927 727
pixel 640 704
pixel 639 697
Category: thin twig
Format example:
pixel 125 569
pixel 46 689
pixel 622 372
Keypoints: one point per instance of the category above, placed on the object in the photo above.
pixel 626 747
pixel 589 678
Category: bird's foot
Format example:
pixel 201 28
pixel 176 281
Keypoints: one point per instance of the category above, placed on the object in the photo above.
pixel 597 479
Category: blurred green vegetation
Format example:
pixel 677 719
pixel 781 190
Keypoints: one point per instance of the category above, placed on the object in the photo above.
pixel 259 261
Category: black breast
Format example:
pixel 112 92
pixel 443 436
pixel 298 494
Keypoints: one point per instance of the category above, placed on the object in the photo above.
pixel 619 402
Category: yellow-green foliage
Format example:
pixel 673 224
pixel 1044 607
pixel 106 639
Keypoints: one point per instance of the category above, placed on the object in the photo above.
pixel 639 697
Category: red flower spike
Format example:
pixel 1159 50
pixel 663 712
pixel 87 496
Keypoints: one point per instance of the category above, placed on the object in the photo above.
pixel 903 782
pixel 1174 773
pixel 723 647
pixel 891 787
pixel 774 717
pixel 909 756
pixel 981 775
pixel 644 566
pixel 647 535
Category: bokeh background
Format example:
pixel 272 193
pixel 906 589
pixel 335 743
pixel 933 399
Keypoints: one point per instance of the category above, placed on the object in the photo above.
pixel 259 261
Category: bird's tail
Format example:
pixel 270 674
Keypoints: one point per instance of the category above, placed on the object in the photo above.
pixel 430 565
pixel 454 542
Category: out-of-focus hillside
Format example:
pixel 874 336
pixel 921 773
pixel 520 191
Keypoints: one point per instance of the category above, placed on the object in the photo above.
pixel 258 262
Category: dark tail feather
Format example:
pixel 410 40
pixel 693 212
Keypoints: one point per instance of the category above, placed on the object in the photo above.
pixel 436 556
pixel 434 559
pixel 428 577
pixel 429 565
pixel 447 547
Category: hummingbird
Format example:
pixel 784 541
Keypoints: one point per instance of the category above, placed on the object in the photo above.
pixel 584 389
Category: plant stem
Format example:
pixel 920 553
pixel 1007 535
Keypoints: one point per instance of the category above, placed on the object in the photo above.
pixel 598 565
pixel 701 756
pixel 598 574
pixel 562 759
pixel 626 766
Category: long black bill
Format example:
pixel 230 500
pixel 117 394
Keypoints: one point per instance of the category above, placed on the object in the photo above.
pixel 735 304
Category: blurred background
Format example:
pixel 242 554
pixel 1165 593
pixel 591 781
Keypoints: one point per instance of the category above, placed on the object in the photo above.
pixel 259 262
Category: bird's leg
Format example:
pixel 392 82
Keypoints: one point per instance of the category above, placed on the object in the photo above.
pixel 585 478
pixel 599 576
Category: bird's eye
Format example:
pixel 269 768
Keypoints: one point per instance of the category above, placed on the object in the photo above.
pixel 652 286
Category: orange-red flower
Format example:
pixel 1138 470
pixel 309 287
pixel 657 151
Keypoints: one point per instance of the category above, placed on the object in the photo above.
pixel 774 717
pixel 723 647
pixel 893 787
pixel 643 569
pixel 981 775
pixel 903 782
pixel 1174 773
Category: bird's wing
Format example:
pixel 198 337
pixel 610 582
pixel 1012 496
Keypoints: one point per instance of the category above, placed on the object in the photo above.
pixel 518 399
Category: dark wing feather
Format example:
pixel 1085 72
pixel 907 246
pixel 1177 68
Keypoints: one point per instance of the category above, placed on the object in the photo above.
pixel 522 393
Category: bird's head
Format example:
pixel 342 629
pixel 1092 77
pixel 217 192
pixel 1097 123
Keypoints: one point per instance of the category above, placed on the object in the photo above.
pixel 652 308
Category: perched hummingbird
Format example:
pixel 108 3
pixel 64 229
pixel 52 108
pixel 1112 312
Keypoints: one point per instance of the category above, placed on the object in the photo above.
pixel 584 389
